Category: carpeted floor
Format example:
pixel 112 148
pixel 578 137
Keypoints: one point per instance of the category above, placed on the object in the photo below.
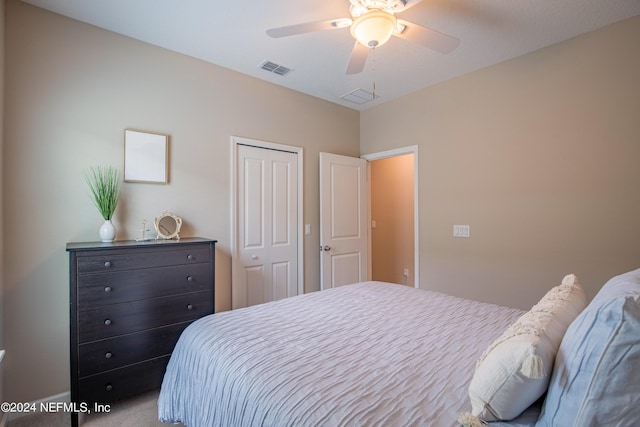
pixel 139 411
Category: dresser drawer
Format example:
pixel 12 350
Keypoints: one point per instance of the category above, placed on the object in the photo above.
pixel 112 353
pixel 121 286
pixel 153 258
pixel 114 385
pixel 118 319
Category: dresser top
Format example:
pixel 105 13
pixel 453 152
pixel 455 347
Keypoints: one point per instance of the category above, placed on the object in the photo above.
pixel 76 246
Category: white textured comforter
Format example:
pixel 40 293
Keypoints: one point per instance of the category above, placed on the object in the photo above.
pixel 369 354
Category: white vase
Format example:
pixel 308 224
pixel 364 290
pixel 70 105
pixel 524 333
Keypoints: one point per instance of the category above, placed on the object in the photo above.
pixel 107 231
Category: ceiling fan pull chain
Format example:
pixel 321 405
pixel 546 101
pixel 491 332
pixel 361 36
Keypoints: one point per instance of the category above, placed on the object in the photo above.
pixel 373 70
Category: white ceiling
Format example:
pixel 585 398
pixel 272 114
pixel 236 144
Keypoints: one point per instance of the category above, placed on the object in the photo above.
pixel 232 34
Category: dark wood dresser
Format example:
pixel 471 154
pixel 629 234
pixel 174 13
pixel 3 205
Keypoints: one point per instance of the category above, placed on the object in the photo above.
pixel 129 303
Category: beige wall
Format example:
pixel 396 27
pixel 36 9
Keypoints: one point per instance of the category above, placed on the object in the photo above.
pixel 71 90
pixel 539 155
pixel 392 208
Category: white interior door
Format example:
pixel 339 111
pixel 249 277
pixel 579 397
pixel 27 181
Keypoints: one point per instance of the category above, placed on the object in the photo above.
pixel 267 224
pixel 343 220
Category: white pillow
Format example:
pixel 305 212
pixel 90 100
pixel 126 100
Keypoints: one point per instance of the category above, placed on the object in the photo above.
pixel 514 371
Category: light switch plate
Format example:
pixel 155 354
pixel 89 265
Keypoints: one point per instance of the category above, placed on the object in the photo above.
pixel 461 231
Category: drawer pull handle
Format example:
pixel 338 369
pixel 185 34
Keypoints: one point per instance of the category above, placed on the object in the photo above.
pixel 107 322
pixel 109 387
pixel 107 263
pixel 189 279
pixel 189 256
pixel 107 288
pixel 108 355
pixel 190 307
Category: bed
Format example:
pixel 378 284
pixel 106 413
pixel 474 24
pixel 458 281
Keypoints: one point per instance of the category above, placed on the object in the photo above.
pixel 372 353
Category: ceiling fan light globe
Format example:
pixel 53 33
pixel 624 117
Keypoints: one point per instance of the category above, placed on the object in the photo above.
pixel 374 28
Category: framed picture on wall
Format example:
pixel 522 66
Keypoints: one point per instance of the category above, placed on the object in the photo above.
pixel 146 156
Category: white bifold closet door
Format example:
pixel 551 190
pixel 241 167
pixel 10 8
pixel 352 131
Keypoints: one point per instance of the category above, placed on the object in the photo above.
pixel 267 224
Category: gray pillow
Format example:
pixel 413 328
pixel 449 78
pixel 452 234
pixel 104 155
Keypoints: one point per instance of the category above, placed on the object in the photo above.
pixel 596 376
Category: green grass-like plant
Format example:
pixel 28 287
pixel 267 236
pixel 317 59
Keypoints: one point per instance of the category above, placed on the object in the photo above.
pixel 104 183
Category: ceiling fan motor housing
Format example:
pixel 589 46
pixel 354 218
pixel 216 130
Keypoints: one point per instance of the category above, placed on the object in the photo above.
pixel 360 7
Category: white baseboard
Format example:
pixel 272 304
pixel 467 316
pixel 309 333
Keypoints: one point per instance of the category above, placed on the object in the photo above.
pixel 62 397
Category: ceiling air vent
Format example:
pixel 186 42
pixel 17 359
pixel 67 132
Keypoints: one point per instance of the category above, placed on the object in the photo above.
pixel 359 96
pixel 272 67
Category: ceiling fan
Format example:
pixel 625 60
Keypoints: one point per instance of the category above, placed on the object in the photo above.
pixel 372 23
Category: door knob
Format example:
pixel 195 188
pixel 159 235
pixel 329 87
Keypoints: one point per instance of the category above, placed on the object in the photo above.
pixel 326 248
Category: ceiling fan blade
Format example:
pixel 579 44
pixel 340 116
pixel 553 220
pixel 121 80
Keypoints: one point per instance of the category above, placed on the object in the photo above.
pixel 309 27
pixel 410 3
pixel 358 58
pixel 427 37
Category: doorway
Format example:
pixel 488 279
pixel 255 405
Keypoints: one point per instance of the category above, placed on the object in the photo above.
pixel 393 216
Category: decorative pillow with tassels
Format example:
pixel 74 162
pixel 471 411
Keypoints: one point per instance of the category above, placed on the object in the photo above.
pixel 515 370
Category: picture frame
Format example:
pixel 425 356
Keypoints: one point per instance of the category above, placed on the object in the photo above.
pixel 146 156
